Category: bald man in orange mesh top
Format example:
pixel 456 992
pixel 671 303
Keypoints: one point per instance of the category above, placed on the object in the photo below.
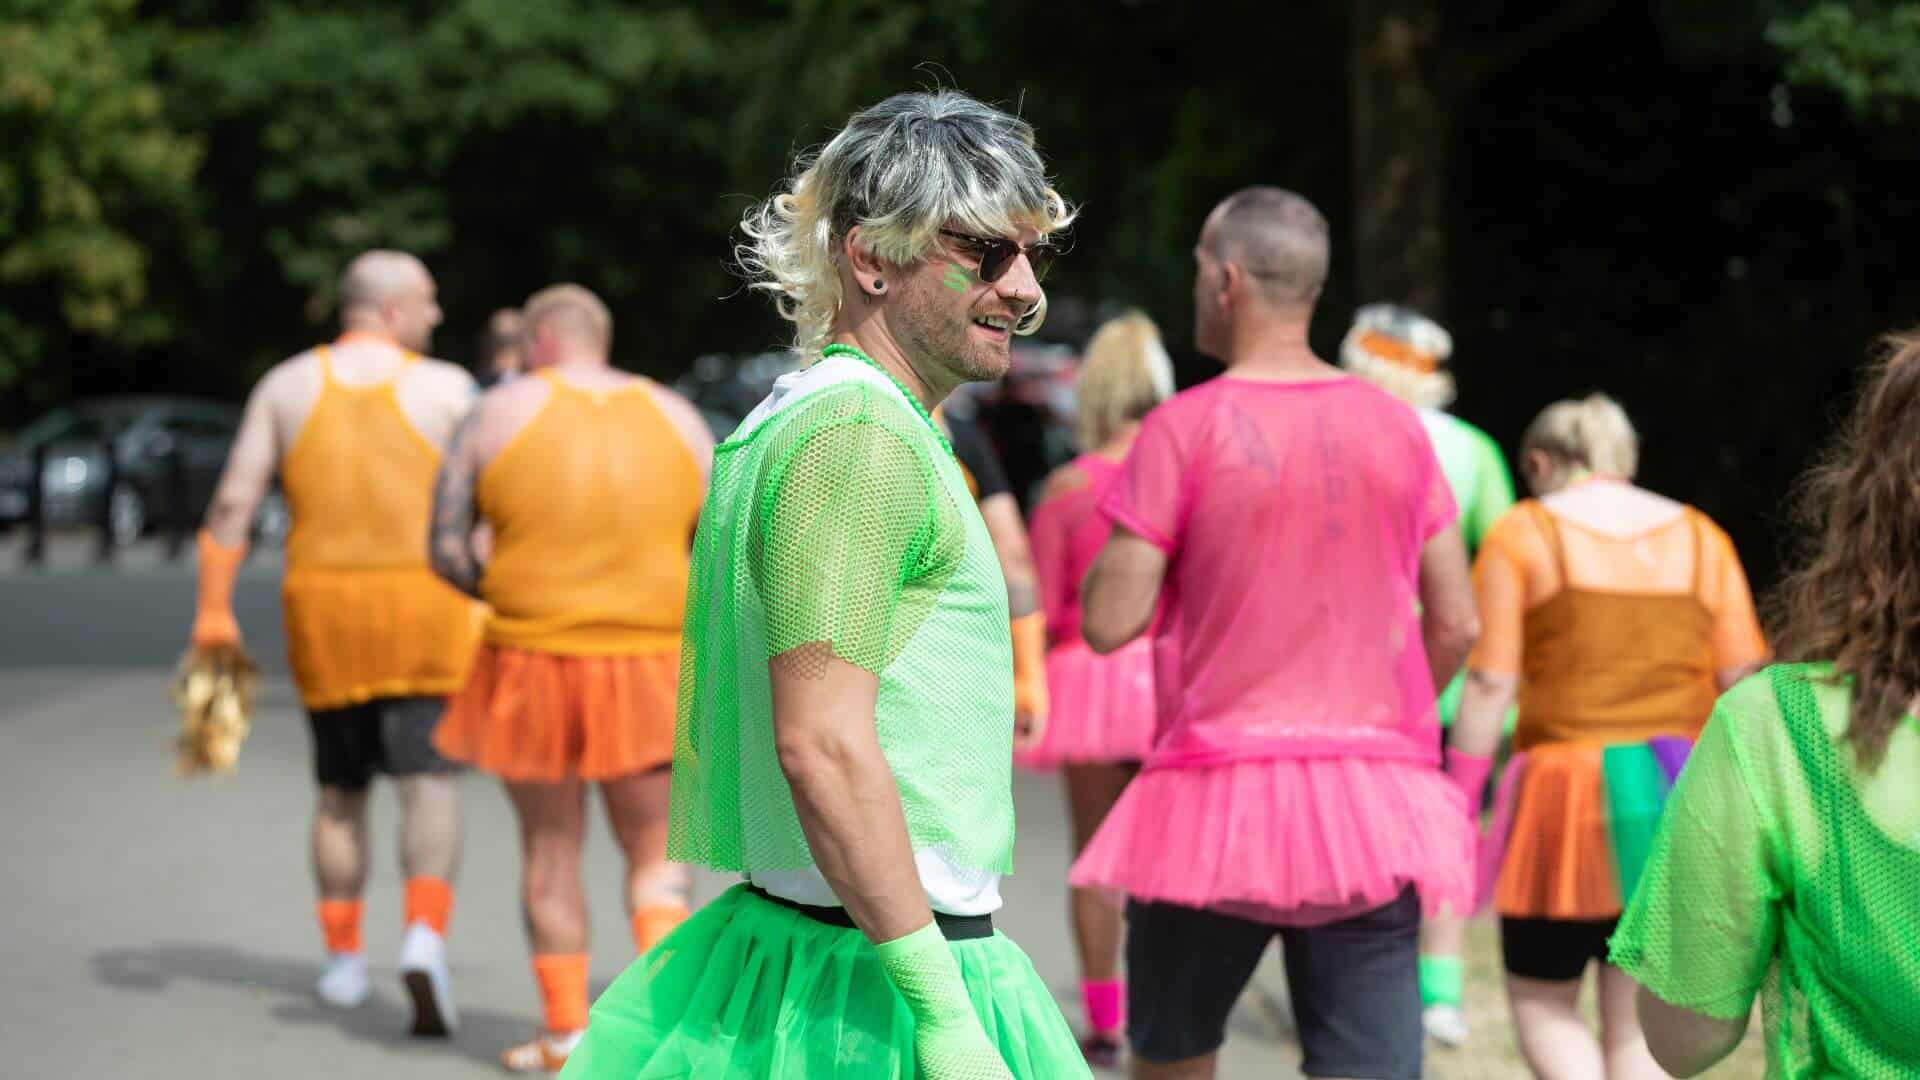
pixel 590 481
pixel 354 430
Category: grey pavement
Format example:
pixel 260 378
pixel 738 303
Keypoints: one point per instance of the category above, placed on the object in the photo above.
pixel 162 928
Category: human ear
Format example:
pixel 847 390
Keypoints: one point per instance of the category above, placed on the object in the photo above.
pixel 869 269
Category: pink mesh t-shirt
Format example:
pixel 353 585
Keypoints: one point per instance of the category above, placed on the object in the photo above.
pixel 1293 515
pixel 1068 531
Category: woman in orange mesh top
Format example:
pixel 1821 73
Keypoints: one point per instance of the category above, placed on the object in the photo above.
pixel 1615 616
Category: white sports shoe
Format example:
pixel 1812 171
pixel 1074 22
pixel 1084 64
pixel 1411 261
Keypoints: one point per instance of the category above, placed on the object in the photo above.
pixel 423 971
pixel 1446 1025
pixel 344 984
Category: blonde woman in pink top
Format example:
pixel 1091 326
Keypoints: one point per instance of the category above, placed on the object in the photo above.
pixel 1294 528
pixel 1102 720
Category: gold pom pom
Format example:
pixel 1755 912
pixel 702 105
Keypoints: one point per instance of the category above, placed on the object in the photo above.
pixel 213 691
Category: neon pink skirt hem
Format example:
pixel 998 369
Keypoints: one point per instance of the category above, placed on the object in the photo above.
pixel 1102 707
pixel 1288 841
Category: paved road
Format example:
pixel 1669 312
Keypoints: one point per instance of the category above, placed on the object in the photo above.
pixel 157 928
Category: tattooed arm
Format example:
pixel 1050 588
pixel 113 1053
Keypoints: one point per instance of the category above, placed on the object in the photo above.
pixel 450 547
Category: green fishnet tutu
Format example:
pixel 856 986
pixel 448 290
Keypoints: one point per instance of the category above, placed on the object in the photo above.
pixel 749 988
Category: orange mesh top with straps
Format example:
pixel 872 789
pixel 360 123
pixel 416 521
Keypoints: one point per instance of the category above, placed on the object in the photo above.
pixel 1615 639
pixel 366 618
pixel 592 504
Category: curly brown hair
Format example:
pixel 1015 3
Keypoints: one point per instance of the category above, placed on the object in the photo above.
pixel 1854 598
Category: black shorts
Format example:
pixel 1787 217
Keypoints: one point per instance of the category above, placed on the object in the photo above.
pixel 1355 985
pixel 1554 950
pixel 386 735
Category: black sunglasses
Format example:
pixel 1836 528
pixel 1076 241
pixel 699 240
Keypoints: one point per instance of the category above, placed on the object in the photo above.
pixel 997 254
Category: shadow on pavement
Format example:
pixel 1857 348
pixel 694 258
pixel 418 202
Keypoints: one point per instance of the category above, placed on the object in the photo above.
pixel 381 1020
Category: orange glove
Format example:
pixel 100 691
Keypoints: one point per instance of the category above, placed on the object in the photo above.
pixel 213 621
pixel 1029 678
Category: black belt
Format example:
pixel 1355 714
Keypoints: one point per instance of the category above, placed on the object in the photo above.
pixel 952 927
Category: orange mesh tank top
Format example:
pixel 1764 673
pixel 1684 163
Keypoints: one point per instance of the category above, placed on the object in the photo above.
pixel 365 616
pixel 593 505
pixel 1615 666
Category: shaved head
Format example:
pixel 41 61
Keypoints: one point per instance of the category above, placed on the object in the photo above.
pixel 375 277
pixel 571 311
pixel 1277 237
pixel 389 293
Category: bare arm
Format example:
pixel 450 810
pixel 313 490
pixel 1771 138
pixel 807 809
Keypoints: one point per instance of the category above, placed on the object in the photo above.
pixel 1484 702
pixel 843 790
pixel 450 536
pixel 1118 598
pixel 1449 622
pixel 249 470
pixel 688 424
pixel 1009 534
pixel 1684 1042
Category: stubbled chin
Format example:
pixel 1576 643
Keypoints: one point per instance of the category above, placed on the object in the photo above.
pixel 987 363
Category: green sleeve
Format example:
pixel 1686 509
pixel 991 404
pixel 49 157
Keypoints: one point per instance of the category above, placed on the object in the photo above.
pixel 843 510
pixel 1703 925
pixel 1493 495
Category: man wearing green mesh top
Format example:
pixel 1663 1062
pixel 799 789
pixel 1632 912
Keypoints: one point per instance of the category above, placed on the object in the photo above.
pixel 846 710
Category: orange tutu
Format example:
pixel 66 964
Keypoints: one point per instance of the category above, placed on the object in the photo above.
pixel 537 717
pixel 1559 859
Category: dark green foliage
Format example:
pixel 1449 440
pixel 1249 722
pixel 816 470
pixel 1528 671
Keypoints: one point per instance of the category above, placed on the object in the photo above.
pixel 1698 205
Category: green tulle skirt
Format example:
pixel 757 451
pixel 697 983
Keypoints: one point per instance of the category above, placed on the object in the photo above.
pixel 748 988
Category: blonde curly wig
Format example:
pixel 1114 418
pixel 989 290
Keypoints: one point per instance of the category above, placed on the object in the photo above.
pixel 903 170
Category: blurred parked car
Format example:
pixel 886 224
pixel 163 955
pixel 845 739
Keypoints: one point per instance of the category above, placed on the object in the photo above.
pixel 148 434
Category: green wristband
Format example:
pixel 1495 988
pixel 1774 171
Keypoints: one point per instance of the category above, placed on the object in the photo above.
pixel 922 968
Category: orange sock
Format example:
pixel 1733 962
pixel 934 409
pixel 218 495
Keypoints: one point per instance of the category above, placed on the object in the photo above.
pixel 430 901
pixel 563 989
pixel 340 925
pixel 656 921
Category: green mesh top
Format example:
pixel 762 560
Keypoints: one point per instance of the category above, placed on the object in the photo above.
pixel 837 515
pixel 1476 472
pixel 1781 869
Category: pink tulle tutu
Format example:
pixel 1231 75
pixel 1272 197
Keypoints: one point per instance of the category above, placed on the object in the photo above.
pixel 1289 841
pixel 1102 706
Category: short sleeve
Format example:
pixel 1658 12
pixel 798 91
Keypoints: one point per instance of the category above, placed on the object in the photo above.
pixel 843 515
pixel 1737 638
pixel 1149 498
pixel 1701 930
pixel 1500 592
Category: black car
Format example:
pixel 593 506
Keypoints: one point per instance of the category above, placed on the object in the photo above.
pixel 148 434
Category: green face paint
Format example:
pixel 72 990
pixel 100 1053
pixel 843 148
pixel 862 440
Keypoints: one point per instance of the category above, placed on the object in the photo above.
pixel 957 279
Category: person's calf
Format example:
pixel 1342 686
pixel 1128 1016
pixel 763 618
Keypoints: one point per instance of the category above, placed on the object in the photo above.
pixel 555 905
pixel 429 825
pixel 340 843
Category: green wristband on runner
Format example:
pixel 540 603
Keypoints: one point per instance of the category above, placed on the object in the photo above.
pixel 949 1042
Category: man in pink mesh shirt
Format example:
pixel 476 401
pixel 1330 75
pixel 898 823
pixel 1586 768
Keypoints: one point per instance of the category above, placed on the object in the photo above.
pixel 1316 593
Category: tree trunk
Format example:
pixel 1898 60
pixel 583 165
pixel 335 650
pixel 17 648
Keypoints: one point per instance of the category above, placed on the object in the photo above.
pixel 1402 142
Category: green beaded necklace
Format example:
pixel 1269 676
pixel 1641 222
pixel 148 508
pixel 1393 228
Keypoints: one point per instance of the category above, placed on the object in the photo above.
pixel 837 349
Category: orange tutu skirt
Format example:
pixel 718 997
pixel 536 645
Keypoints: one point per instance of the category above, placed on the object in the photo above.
pixel 1572 842
pixel 535 717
